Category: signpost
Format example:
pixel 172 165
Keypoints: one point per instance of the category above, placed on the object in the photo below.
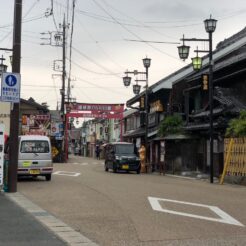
pixel 10 89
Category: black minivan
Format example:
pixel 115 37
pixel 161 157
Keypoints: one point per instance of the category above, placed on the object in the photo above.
pixel 121 156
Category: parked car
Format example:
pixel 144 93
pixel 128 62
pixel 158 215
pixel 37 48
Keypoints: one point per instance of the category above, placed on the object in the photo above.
pixel 121 156
pixel 35 157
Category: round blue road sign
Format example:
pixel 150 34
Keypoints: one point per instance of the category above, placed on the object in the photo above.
pixel 10 80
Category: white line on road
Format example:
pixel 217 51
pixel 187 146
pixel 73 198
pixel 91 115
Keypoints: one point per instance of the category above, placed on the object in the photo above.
pixel 65 173
pixel 224 217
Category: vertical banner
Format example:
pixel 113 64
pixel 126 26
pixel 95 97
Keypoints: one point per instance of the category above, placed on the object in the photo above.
pixel 1 152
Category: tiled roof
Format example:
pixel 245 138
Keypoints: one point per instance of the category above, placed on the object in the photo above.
pixel 231 39
pixel 228 103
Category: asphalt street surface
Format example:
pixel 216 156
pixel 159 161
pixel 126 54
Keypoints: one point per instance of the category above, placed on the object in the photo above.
pixel 128 209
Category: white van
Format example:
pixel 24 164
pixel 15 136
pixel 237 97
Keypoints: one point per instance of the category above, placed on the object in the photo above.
pixel 35 156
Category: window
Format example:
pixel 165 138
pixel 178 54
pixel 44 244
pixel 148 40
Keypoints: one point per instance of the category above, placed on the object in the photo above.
pixel 125 149
pixel 34 146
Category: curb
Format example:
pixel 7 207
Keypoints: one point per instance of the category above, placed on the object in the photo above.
pixel 59 228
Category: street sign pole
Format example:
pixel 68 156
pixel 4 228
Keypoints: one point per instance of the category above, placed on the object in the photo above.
pixel 14 115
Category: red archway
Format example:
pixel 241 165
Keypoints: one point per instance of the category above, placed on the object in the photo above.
pixel 91 110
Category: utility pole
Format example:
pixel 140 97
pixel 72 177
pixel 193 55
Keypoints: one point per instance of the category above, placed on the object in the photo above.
pixel 63 88
pixel 14 114
pixel 58 38
pixel 63 69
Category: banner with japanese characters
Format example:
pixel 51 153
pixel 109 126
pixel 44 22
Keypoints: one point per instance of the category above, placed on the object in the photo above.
pixel 34 124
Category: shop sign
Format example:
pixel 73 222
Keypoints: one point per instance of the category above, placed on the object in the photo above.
pixel 35 124
pixel 156 106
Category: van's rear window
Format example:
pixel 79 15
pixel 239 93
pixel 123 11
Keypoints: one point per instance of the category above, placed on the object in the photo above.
pixel 34 146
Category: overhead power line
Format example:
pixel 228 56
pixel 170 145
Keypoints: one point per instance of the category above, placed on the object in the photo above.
pixel 146 41
pixel 96 63
pixel 92 71
pixel 131 32
pixel 98 44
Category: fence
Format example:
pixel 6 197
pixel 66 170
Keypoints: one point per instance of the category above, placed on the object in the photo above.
pixel 234 157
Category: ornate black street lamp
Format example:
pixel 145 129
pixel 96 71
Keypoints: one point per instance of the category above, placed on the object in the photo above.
pixel 210 26
pixel 196 62
pixel 137 88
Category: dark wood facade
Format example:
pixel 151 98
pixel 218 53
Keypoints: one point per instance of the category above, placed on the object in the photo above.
pixel 229 81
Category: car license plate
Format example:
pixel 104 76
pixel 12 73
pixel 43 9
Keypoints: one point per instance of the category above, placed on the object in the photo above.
pixel 125 166
pixel 35 171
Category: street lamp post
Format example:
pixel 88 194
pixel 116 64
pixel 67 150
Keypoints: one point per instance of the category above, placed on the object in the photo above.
pixel 136 90
pixel 210 26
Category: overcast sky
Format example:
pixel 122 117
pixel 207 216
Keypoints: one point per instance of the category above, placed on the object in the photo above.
pixel 101 48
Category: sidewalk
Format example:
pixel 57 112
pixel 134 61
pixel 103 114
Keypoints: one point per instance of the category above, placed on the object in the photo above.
pixel 18 227
pixel 23 223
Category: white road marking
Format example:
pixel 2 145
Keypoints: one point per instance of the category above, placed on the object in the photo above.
pixel 224 217
pixel 84 164
pixel 65 173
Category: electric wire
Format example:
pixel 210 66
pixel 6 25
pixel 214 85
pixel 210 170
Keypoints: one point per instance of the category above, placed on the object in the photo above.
pixel 98 86
pixel 97 43
pixel 91 71
pixel 137 21
pixel 96 63
pixel 134 34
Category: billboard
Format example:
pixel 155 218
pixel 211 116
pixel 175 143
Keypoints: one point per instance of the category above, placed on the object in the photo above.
pixel 34 124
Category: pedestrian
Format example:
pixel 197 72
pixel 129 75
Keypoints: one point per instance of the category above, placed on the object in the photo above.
pixel 98 150
pixel 142 156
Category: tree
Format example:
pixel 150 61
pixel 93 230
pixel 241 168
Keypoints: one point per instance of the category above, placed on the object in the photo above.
pixel 237 127
pixel 171 125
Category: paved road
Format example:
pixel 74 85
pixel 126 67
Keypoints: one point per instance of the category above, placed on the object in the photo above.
pixel 121 209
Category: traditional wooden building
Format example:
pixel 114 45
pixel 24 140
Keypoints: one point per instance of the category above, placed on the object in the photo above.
pixel 190 96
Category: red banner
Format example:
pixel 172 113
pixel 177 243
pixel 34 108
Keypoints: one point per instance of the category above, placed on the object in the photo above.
pixel 95 115
pixel 91 110
pixel 94 107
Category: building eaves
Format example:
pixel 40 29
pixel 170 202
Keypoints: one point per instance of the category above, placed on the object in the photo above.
pixel 34 104
pixel 231 39
pixel 135 133
pixel 220 65
pixel 137 97
pixel 223 49
pixel 198 127
pixel 129 112
pixel 188 70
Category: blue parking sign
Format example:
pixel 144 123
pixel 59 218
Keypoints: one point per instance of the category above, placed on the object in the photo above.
pixel 10 89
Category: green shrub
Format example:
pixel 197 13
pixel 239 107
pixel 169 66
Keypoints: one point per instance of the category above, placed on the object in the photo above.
pixel 170 125
pixel 237 127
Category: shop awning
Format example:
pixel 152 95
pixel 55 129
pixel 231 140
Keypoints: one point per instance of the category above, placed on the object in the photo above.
pixel 174 137
pixel 135 133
